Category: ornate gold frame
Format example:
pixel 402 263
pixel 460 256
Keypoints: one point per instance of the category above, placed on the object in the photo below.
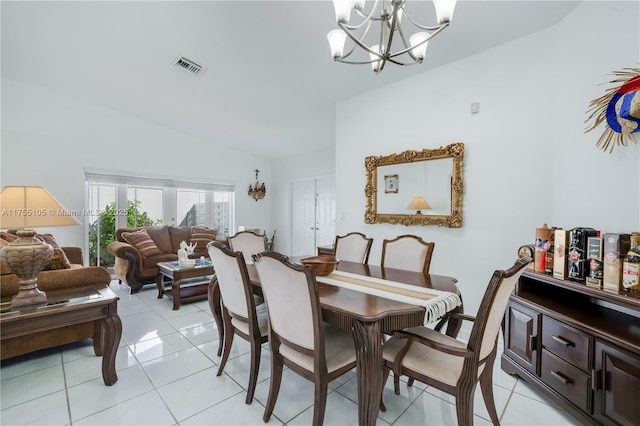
pixel 454 220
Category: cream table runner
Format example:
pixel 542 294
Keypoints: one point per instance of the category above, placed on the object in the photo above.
pixel 436 302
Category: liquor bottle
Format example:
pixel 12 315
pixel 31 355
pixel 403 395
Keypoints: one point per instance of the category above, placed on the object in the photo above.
pixel 543 235
pixel 631 265
pixel 549 258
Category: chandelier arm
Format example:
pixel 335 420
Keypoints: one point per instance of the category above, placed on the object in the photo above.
pixel 410 48
pixel 367 17
pixel 423 27
pixel 353 47
pixel 394 61
pixel 407 47
pixel 394 25
pixel 356 41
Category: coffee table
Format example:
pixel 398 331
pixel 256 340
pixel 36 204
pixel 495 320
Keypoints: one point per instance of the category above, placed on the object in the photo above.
pixel 71 307
pixel 187 284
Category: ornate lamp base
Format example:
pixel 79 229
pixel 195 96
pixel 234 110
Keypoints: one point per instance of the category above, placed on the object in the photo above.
pixel 26 257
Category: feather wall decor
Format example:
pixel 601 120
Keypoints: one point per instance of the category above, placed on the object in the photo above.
pixel 618 109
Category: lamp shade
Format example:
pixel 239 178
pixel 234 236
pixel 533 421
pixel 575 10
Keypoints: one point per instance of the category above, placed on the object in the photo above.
pixel 343 10
pixel 376 61
pixel 444 10
pixel 419 43
pixel 418 203
pixel 31 207
pixel 336 42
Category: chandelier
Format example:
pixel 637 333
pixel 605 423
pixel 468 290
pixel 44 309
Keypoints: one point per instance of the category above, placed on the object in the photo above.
pixel 389 15
pixel 259 190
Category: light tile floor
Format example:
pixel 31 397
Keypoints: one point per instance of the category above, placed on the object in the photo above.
pixel 167 368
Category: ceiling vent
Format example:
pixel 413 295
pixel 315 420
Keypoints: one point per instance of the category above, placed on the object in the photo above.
pixel 190 66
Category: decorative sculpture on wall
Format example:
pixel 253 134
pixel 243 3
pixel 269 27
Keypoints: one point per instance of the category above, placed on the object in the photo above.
pixel 183 255
pixel 620 108
pixel 257 191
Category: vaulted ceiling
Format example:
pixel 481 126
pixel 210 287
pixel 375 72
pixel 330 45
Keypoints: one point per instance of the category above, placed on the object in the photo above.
pixel 270 85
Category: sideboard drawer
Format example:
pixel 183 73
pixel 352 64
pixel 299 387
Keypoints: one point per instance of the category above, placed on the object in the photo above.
pixel 568 343
pixel 570 382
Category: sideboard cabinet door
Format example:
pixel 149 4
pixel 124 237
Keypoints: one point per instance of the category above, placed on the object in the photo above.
pixel 522 331
pixel 617 395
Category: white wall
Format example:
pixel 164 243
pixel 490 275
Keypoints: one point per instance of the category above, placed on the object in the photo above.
pixel 286 170
pixel 527 159
pixel 48 139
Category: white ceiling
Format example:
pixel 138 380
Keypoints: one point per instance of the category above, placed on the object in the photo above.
pixel 271 84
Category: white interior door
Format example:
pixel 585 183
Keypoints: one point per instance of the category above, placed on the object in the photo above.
pixel 325 211
pixel 313 215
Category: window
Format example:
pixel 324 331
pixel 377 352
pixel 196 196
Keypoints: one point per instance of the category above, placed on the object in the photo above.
pixel 117 201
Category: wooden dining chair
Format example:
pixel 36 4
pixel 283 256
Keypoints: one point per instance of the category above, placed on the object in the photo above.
pixel 248 243
pixel 353 247
pixel 240 315
pixel 298 337
pixel 450 365
pixel 408 252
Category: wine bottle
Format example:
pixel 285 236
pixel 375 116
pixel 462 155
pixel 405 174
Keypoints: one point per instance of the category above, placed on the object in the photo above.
pixel 631 265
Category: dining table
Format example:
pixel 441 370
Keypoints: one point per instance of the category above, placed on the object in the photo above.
pixel 368 317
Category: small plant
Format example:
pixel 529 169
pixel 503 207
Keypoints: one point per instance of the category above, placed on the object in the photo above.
pixel 106 225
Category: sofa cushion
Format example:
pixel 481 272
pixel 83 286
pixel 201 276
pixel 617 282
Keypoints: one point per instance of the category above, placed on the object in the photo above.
pixel 160 236
pixel 150 264
pixel 202 236
pixel 143 243
pixel 59 259
pixel 179 234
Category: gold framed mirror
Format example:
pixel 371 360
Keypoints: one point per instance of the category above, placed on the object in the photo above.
pixel 428 187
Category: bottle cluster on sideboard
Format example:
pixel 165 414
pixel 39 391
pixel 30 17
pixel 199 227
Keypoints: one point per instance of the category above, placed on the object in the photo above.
pixel 610 261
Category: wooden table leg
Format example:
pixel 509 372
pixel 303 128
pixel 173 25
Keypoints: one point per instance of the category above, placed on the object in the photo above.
pixel 160 284
pixel 455 324
pixel 98 338
pixel 368 340
pixel 112 332
pixel 216 310
pixel 175 293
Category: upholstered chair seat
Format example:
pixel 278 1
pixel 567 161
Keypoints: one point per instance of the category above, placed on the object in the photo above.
pixel 261 316
pixel 426 360
pixel 338 350
pixel 450 365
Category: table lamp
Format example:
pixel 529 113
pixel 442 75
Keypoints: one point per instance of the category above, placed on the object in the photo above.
pixel 417 204
pixel 25 208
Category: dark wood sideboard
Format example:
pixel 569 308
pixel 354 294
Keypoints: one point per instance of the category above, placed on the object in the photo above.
pixel 578 345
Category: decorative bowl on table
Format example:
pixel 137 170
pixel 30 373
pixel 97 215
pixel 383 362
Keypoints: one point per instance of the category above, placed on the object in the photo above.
pixel 322 265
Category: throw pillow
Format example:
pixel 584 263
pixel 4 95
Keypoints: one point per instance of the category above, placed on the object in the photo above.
pixel 202 236
pixel 143 242
pixel 59 259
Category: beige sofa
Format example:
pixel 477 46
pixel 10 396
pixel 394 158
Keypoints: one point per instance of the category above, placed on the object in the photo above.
pixel 136 270
pixel 74 277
